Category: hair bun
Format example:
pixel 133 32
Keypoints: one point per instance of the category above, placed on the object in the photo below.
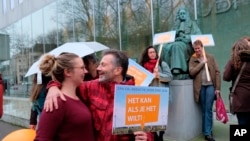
pixel 47 64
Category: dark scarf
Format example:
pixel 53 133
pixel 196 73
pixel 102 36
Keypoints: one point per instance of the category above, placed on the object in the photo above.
pixel 150 65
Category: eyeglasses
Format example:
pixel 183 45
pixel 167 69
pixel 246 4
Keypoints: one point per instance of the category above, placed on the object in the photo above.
pixel 83 67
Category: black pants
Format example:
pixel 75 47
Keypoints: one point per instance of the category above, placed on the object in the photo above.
pixel 159 137
pixel 243 118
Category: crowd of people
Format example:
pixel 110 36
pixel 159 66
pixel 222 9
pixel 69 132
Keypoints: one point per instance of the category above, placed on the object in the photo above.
pixel 79 100
pixel 178 60
pixel 76 107
pixel 98 94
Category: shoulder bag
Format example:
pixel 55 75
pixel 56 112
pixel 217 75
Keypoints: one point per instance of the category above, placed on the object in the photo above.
pixel 234 86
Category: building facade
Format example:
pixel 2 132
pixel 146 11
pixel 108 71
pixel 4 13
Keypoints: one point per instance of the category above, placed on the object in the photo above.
pixel 31 28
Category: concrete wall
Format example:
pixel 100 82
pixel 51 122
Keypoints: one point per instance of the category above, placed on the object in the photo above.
pixel 17 111
pixel 20 10
pixel 184 116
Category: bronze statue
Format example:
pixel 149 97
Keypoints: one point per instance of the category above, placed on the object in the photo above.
pixel 177 54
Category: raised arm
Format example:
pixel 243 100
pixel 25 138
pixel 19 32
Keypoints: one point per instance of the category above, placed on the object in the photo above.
pixel 51 98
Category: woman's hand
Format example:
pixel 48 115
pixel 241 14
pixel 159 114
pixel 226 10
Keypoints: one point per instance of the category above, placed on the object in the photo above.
pixel 156 72
pixel 217 93
pixel 33 127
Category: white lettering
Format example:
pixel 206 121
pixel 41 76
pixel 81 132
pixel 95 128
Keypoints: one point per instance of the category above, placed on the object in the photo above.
pixel 151 108
pixel 133 109
pixel 145 100
pixel 135 118
pixel 237 132
pixel 240 132
pixel 133 100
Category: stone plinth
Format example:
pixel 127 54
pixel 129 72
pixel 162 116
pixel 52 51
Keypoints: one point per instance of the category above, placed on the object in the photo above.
pixel 184 117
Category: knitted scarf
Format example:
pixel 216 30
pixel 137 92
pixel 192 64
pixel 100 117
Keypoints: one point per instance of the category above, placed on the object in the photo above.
pixel 150 65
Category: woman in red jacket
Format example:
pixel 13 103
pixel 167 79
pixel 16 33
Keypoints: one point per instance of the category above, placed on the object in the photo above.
pixel 149 60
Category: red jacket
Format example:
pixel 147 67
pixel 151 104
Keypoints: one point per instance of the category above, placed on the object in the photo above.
pixel 1 98
pixel 99 97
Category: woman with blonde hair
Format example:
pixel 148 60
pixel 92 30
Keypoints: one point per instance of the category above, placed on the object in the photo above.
pixel 73 121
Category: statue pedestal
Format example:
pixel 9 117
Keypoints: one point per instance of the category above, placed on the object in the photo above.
pixel 184 115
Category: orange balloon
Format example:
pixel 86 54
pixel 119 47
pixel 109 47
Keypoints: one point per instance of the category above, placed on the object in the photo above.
pixel 21 135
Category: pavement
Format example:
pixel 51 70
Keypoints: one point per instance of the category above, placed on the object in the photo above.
pixel 220 130
pixel 6 128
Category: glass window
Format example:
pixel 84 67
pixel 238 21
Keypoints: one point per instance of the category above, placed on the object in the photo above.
pixel 13 75
pixel 17 48
pixel 27 60
pixel 65 21
pixel 12 4
pixel 106 23
pixel 164 12
pixel 136 26
pixel 20 1
pixel 37 28
pixel 4 6
pixel 83 20
pixel 5 59
pixel 50 27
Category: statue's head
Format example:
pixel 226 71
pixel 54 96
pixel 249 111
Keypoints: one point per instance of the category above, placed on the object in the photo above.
pixel 182 14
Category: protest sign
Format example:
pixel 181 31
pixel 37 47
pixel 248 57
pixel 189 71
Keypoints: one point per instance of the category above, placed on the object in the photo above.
pixel 164 37
pixel 206 39
pixel 138 108
pixel 142 76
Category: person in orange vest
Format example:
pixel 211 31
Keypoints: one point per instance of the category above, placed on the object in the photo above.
pixel 1 95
